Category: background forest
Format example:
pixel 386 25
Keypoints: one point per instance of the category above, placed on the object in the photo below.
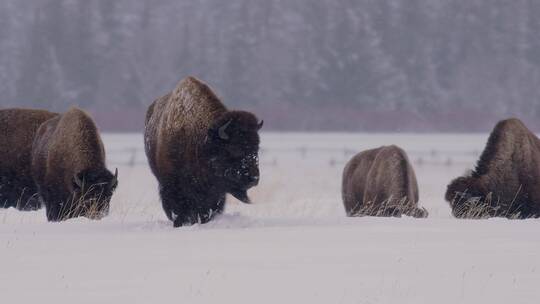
pixel 330 65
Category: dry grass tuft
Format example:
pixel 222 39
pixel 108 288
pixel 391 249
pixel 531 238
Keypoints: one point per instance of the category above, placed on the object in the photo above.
pixel 389 208
pixel 467 207
pixel 90 207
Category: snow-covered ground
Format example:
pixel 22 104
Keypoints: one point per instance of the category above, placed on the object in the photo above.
pixel 293 245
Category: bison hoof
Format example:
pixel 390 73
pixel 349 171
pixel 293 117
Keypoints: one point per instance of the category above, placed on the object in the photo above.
pixel 190 220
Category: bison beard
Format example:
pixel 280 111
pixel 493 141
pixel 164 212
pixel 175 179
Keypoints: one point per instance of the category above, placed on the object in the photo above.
pixel 68 166
pixel 17 130
pixel 381 182
pixel 506 180
pixel 199 151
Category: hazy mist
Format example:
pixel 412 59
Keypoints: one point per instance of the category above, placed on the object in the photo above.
pixel 332 65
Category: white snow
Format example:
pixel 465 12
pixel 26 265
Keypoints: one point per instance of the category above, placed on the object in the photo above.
pixel 293 245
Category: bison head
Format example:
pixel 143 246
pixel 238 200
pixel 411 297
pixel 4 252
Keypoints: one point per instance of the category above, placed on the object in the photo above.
pixel 465 193
pixel 233 152
pixel 92 192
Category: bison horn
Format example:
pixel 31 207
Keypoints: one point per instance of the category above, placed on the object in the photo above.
pixel 260 125
pixel 115 178
pixel 221 132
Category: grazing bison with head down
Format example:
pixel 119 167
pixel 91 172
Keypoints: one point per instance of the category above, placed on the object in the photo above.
pixel 506 180
pixel 68 165
pixel 199 151
pixel 17 130
pixel 381 182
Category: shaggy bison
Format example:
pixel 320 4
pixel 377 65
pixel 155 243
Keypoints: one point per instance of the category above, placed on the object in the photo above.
pixel 199 151
pixel 381 182
pixel 17 130
pixel 506 180
pixel 68 166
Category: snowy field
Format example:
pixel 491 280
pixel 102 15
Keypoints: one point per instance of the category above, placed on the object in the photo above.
pixel 293 245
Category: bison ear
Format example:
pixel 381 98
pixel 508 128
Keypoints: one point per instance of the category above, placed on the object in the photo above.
pixel 464 188
pixel 114 181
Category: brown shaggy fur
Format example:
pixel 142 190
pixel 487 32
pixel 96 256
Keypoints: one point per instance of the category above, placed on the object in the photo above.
pixel 194 166
pixel 68 149
pixel 166 118
pixel 17 130
pixel 381 182
pixel 506 181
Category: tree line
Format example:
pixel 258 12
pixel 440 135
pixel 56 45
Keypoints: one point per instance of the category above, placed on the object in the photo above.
pixel 366 65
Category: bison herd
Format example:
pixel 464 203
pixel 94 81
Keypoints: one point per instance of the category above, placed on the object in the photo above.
pixel 199 151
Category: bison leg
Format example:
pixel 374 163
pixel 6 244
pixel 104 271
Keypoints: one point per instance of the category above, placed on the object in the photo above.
pixel 28 200
pixel 169 201
pixel 53 213
pixel 5 193
pixel 19 192
pixel 53 210
pixel 185 220
pixel 519 210
pixel 178 209
pixel 206 214
pixel 199 214
pixel 8 192
pixel 53 206
pixel 192 209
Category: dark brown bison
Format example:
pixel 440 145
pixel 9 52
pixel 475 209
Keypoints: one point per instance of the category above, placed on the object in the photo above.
pixel 506 180
pixel 199 151
pixel 68 166
pixel 381 182
pixel 17 130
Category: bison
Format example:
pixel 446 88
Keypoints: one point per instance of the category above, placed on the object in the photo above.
pixel 506 180
pixel 381 182
pixel 68 167
pixel 17 130
pixel 199 151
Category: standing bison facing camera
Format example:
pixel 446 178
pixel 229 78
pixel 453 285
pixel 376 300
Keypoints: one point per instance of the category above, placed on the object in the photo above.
pixel 68 166
pixel 506 180
pixel 199 151
pixel 17 130
pixel 381 182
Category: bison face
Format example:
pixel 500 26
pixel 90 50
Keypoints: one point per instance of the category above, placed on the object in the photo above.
pixel 466 196
pixel 233 152
pixel 464 188
pixel 92 192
